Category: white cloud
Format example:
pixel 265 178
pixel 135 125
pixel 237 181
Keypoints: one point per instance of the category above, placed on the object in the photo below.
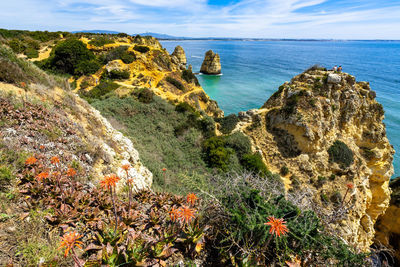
pixel 247 18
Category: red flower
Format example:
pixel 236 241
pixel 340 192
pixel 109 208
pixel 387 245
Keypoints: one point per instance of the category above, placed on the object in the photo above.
pixel 191 198
pixel 350 186
pixel 71 172
pixel 30 161
pixel 126 167
pixel 186 214
pixel 278 226
pixel 69 241
pixel 109 181
pixel 42 175
pixel 54 160
pixel 164 169
pixel 174 214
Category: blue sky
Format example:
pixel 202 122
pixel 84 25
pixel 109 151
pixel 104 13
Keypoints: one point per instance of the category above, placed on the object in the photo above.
pixel 330 19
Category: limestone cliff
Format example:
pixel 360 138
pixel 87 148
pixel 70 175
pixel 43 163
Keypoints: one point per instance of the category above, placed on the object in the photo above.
pixel 323 131
pixel 156 69
pixel 211 63
pixel 179 57
pixel 47 120
pixel 388 225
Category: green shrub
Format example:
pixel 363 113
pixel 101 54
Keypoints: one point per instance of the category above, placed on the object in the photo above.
pixel 117 74
pixel 228 123
pixel 146 96
pixel 291 104
pixel 189 77
pixel 217 156
pixel 184 107
pixel 238 142
pixel 254 163
pixel 67 54
pixel 181 129
pixel 340 153
pixel 120 52
pixel 332 177
pixel 100 90
pixel 86 67
pixel 101 40
pixel 16 45
pixel 31 52
pixel 207 126
pixel 284 170
pixel 175 83
pixel 141 48
pixel 324 198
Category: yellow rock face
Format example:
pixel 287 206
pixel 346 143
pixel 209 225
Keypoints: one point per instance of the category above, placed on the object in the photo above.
pixel 152 70
pixel 388 225
pixel 297 126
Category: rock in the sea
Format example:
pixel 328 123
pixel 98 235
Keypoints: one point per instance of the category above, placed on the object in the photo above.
pixel 179 56
pixel 211 64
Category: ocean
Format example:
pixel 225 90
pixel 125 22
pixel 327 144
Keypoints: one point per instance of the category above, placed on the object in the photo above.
pixel 253 70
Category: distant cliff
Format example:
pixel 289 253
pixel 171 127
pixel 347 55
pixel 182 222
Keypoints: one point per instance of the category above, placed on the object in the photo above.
pixel 154 68
pixel 323 132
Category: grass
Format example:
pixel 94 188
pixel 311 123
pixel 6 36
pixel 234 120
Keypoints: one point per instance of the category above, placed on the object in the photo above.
pixel 151 127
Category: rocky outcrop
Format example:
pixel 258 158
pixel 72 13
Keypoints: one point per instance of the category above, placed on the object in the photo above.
pixel 78 134
pixel 388 225
pixel 164 74
pixel 211 64
pixel 147 40
pixel 179 57
pixel 304 124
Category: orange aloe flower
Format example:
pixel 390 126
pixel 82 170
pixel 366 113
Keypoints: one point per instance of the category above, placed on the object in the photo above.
pixel 186 214
pixel 109 181
pixel 54 160
pixel 69 241
pixel 42 175
pixel 350 186
pixel 126 167
pixel 191 198
pixel 173 214
pixel 130 181
pixel 164 169
pixel 30 161
pixel 71 172
pixel 278 226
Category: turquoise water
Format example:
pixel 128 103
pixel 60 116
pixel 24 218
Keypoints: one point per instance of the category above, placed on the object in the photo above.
pixel 253 71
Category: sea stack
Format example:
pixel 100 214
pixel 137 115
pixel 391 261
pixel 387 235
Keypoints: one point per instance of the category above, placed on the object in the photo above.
pixel 211 64
pixel 179 56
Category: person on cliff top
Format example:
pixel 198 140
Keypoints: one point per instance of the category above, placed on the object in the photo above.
pixel 334 68
pixel 339 69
